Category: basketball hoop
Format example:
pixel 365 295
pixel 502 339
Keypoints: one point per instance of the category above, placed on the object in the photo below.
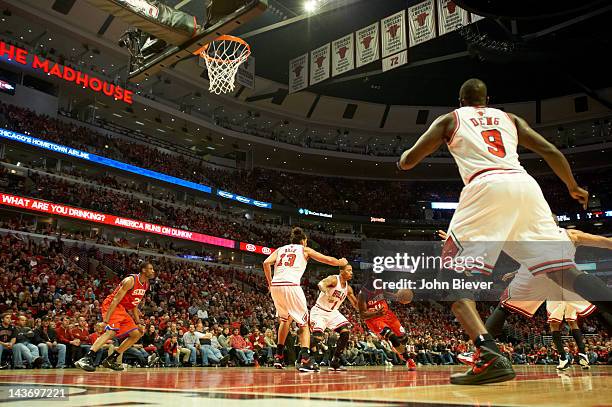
pixel 223 56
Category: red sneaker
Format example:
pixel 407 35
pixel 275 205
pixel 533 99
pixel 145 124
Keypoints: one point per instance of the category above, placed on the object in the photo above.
pixel 411 365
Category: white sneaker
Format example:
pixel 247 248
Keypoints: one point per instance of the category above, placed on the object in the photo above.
pixel 563 364
pixel 388 363
pixel 583 360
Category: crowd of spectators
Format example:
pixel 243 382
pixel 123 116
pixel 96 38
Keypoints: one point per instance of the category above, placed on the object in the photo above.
pixel 203 315
pixel 197 219
pixel 393 199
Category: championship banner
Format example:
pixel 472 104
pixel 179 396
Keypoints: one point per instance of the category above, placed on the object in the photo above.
pixel 253 248
pixel 111 220
pixel 450 17
pixel 476 17
pixel 246 73
pixel 394 61
pixel 393 33
pixel 367 45
pixel 298 73
pixel 319 64
pixel 421 22
pixel 343 55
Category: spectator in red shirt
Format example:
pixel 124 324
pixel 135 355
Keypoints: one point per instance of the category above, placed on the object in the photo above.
pixel 171 354
pixel 64 336
pixel 243 352
pixel 80 332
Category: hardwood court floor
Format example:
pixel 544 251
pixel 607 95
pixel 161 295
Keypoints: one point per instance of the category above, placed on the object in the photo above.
pixel 373 386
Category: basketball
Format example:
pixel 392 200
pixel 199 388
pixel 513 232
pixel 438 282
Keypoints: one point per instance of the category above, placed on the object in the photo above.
pixel 405 296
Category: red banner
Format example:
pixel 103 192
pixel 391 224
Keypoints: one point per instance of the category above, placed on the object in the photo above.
pixel 253 248
pixel 112 220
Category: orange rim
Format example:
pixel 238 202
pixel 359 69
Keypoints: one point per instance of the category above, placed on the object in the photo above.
pixel 225 38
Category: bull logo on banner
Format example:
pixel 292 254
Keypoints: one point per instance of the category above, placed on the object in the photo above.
pixel 421 19
pixel 297 70
pixel 366 41
pixel 392 30
pixel 451 6
pixel 319 61
pixel 342 52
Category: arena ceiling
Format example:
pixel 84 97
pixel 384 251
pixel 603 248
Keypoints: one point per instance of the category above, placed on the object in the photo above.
pixel 557 48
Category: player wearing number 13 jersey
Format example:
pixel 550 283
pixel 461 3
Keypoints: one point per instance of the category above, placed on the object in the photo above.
pixel 500 208
pixel 121 316
pixel 289 263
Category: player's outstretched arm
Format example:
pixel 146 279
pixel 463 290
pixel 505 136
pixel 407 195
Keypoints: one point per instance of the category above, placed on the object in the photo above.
pixel 327 283
pixel 267 266
pixel 529 138
pixel 321 258
pixel 126 285
pixel 581 238
pixel 428 143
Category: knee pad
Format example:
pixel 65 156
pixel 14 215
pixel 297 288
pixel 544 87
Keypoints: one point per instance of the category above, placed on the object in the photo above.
pixel 386 332
pixel 395 341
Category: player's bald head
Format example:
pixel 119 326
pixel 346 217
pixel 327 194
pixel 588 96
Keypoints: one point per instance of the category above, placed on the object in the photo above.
pixel 473 92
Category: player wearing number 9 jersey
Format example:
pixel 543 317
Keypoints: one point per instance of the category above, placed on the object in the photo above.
pixel 121 316
pixel 289 263
pixel 500 208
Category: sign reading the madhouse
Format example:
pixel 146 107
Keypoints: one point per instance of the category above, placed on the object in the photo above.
pixel 66 73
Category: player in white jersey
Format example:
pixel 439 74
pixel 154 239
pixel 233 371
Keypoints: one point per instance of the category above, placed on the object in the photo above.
pixel 500 208
pixel 289 263
pixel 326 313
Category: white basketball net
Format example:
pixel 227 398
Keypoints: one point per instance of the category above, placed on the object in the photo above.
pixel 223 57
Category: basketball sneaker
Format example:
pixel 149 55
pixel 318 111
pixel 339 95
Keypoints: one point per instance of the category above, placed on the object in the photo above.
pixel 411 365
pixel 336 366
pixel 306 366
pixel 584 361
pixel 563 364
pixel 488 367
pixel 467 358
pixel 278 362
pixel 112 364
pixel 86 364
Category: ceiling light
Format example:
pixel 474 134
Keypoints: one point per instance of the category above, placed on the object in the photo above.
pixel 141 123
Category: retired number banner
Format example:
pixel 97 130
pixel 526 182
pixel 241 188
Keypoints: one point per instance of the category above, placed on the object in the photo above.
pixel 393 33
pixel 421 22
pixel 343 56
pixel 319 64
pixel 298 73
pixel 450 16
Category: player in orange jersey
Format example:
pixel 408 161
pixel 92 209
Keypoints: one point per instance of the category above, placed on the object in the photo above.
pixel 121 317
pixel 375 312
